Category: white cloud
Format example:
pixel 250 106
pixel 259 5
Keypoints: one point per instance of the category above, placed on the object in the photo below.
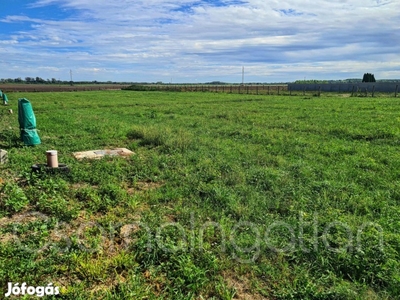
pixel 194 40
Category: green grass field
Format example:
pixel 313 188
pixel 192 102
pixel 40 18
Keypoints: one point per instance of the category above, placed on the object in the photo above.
pixel 227 197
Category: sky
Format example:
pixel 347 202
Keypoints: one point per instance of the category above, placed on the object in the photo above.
pixel 187 41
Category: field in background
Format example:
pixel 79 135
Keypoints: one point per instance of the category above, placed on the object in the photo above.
pixel 229 196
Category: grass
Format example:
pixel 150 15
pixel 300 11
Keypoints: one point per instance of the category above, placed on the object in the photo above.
pixel 227 197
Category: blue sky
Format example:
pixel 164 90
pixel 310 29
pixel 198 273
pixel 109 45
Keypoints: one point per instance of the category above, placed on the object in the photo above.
pixel 199 41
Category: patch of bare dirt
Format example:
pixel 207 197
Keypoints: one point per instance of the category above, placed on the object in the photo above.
pixel 22 218
pixel 77 186
pixel 126 232
pixel 242 287
pixel 6 238
pixel 142 186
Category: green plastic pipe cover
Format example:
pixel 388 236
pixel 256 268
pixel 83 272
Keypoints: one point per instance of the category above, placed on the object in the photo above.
pixel 27 123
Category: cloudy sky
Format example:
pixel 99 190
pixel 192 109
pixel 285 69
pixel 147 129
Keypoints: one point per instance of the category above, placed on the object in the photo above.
pixel 199 41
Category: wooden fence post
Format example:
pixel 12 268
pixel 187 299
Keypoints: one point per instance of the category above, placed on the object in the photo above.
pixel 352 91
pixel 278 90
pixel 373 90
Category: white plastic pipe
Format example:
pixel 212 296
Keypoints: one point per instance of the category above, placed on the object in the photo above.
pixel 52 158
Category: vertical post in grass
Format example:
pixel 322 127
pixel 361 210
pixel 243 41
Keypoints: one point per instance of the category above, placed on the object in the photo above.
pixel 352 91
pixel 373 90
pixel 239 89
pixel 268 90
pixel 231 88
pixel 278 91
pixel 319 91
pixel 366 91
pixel 395 93
pixel 257 89
pixel 247 89
pixel 304 91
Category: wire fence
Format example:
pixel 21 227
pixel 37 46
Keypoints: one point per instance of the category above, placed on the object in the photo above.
pixel 256 89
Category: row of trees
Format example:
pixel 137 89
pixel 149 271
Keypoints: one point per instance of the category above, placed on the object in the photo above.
pixel 368 77
pixel 29 80
pixel 39 80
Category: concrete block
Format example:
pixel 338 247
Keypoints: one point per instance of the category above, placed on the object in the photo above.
pixel 96 154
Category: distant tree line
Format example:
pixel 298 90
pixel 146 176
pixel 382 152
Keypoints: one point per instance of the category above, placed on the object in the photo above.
pixel 350 80
pixel 368 77
pixel 39 80
pixel 29 80
pixel 316 81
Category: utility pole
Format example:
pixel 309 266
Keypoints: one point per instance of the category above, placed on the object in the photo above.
pixel 70 75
